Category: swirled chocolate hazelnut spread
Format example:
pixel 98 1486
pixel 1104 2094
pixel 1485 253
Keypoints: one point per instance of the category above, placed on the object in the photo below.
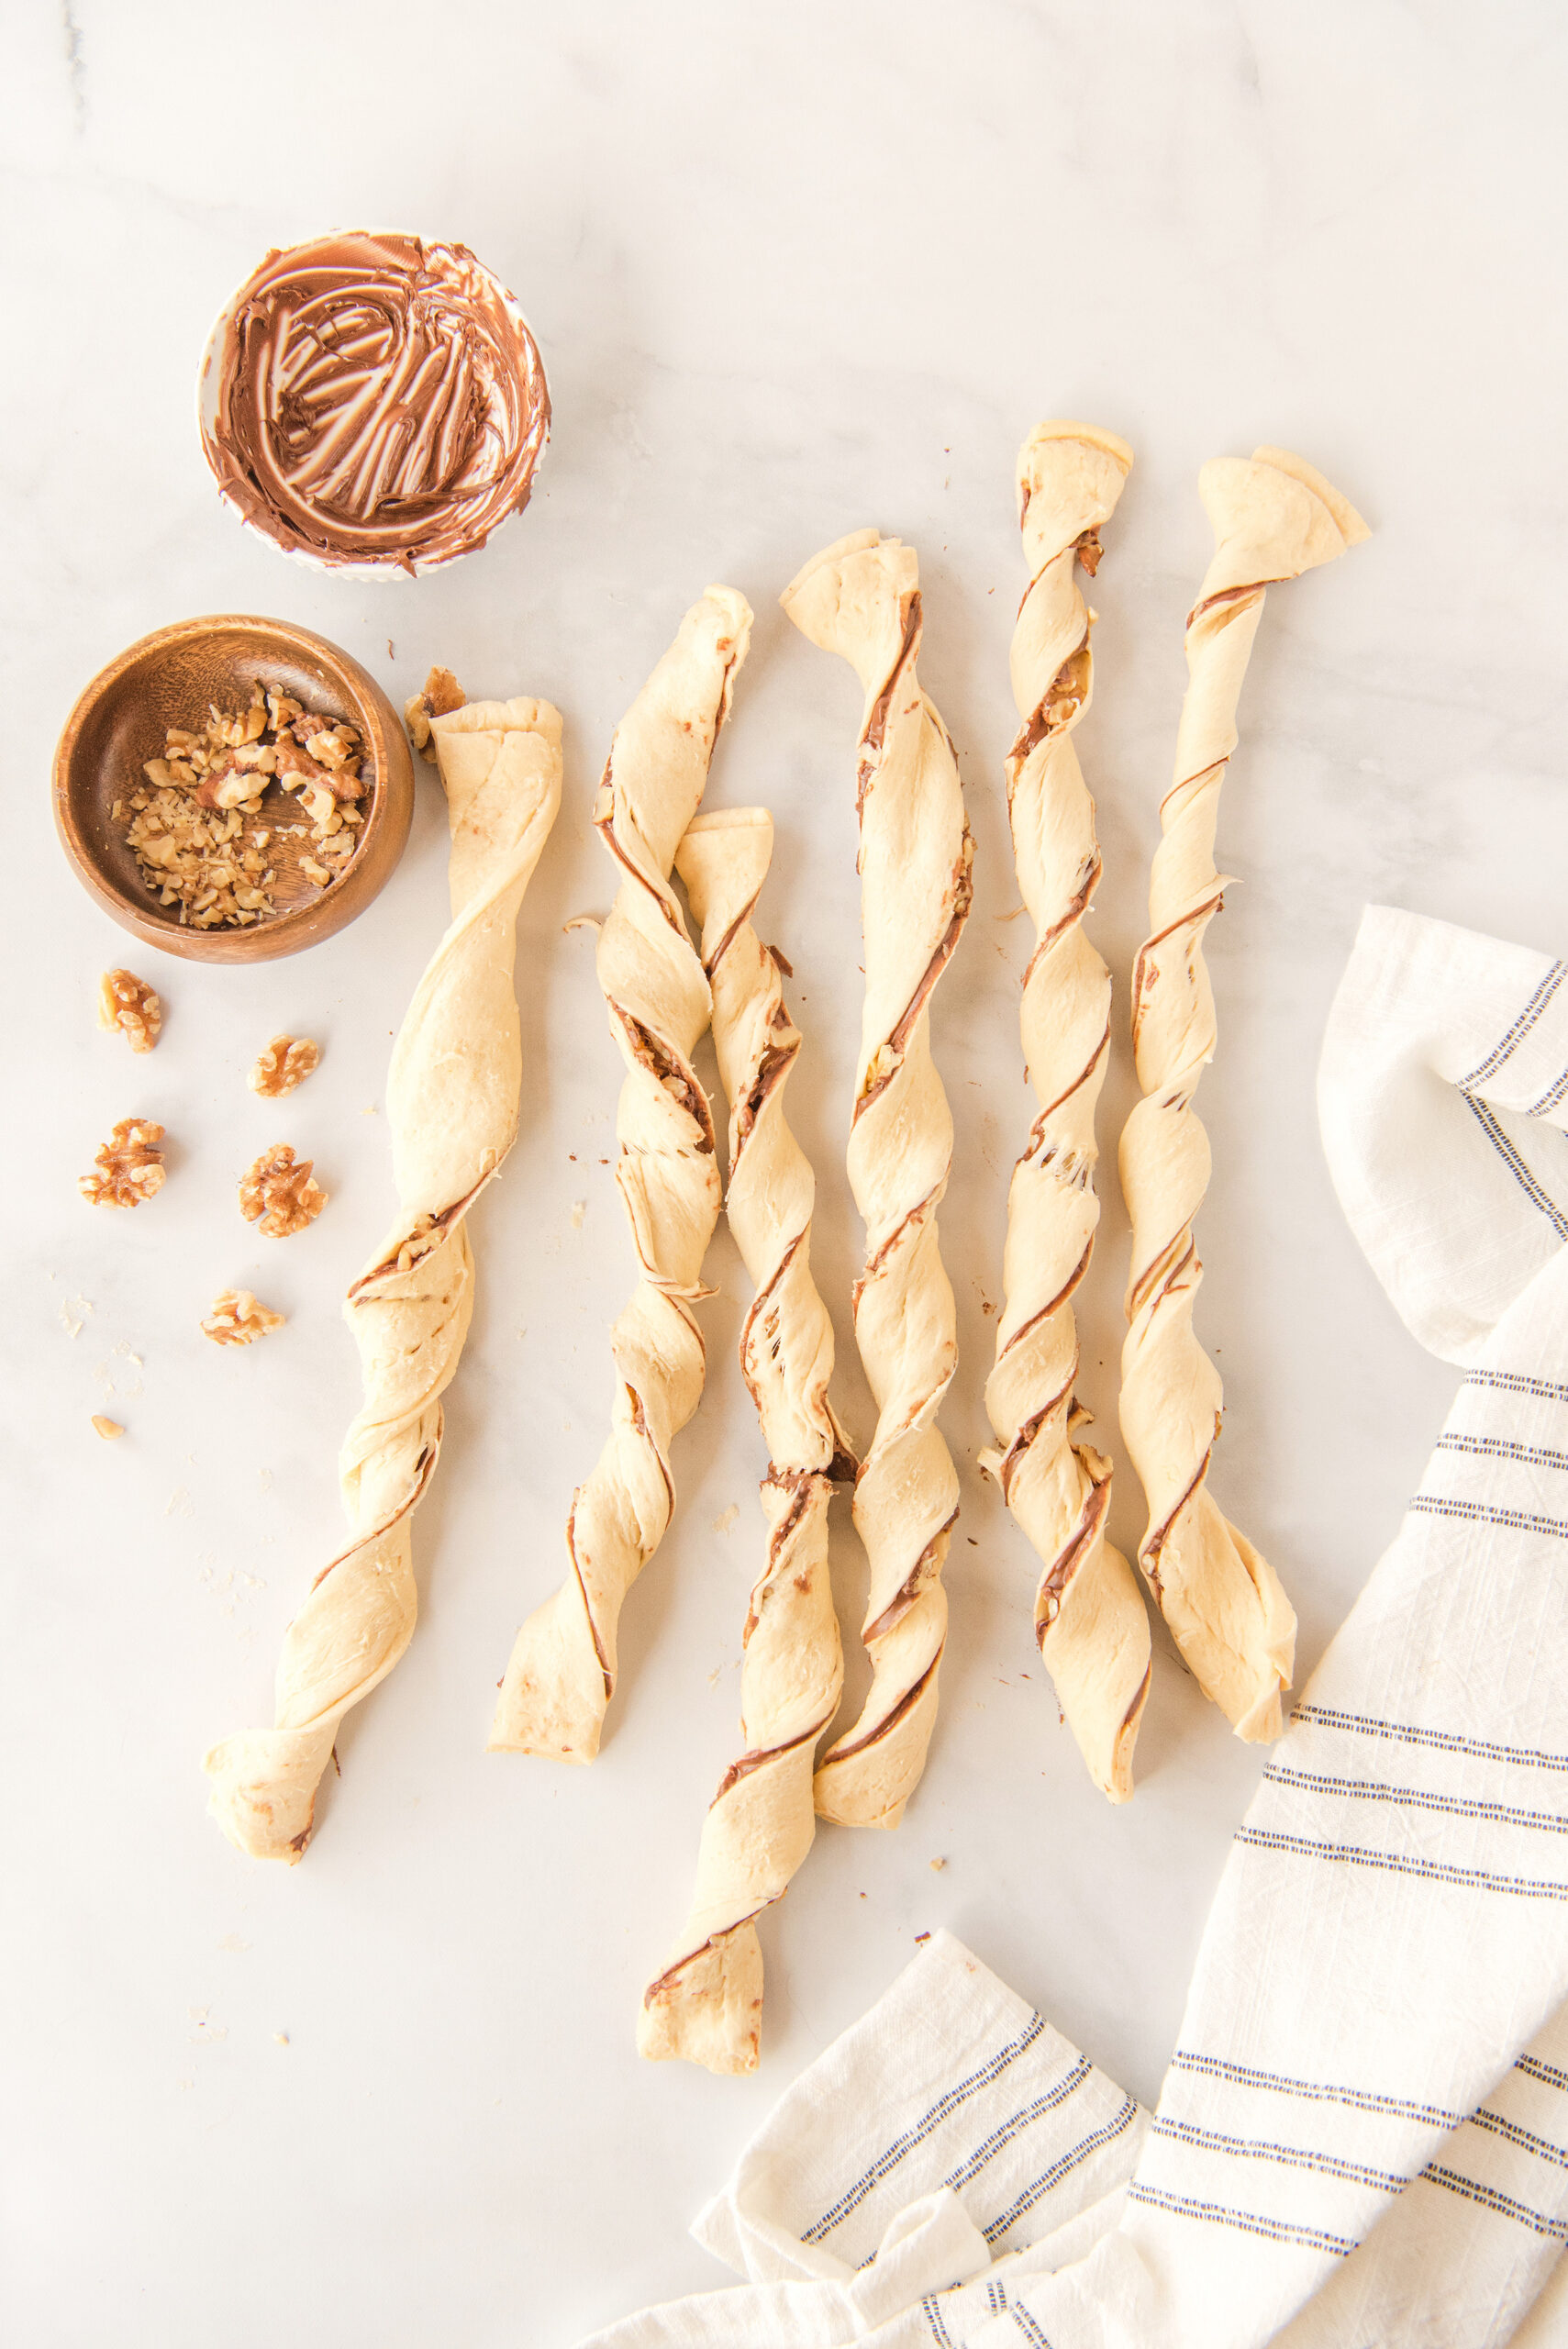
pixel 374 400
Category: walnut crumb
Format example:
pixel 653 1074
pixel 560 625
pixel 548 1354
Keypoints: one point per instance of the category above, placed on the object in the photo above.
pixel 278 1195
pixel 286 1062
pixel 130 1166
pixel 129 1005
pixel 107 1428
pixel 237 1319
pixel 440 695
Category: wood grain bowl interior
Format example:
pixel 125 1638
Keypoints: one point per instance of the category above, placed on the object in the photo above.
pixel 169 679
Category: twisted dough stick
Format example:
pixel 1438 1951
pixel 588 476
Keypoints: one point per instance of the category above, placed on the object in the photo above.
pixel 707 2003
pixel 862 600
pixel 1090 1618
pixel 452 1102
pixel 1273 519
pixel 563 1671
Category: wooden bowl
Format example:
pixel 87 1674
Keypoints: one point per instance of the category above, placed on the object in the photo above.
pixel 168 679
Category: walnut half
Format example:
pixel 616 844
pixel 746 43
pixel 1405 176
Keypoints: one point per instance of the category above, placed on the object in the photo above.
pixel 130 1166
pixel 237 1319
pixel 129 1005
pixel 287 1062
pixel 440 695
pixel 278 1195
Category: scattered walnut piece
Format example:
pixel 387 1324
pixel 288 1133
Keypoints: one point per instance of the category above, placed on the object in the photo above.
pixel 130 1166
pixel 287 1062
pixel 237 1319
pixel 439 693
pixel 278 1195
pixel 129 1005
pixel 107 1428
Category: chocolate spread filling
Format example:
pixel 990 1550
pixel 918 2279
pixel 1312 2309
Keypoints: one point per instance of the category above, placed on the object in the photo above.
pixel 962 896
pixel 1156 1538
pixel 677 1078
pixel 772 1070
pixel 378 400
pixel 1046 1310
pixel 1048 1599
pixel 909 1589
pixel 424 1238
pixel 876 724
pixel 1078 906
pixel 1136 1705
pixel 1062 699
pixel 906 1704
pixel 583 1594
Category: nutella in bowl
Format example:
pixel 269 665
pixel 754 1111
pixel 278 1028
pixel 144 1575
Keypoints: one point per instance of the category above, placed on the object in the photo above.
pixel 374 403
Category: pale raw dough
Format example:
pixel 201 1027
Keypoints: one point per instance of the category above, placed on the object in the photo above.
pixel 1090 1618
pixel 860 598
pixel 451 1101
pixel 706 2003
pixel 561 1675
pixel 1274 518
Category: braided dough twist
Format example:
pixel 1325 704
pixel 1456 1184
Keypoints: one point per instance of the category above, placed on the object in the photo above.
pixel 561 1675
pixel 1090 1619
pixel 862 600
pixel 1273 519
pixel 452 1102
pixel 706 2004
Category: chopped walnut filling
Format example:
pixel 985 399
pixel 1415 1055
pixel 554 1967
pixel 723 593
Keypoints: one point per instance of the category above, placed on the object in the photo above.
pixel 193 828
pixel 287 1062
pixel 237 1319
pixel 278 1195
pixel 130 1166
pixel 440 695
pixel 129 1005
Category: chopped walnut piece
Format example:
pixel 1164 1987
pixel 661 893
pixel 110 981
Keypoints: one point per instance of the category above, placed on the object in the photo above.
pixel 107 1428
pixel 278 1195
pixel 287 1062
pixel 440 695
pixel 129 1004
pixel 130 1166
pixel 194 831
pixel 237 1319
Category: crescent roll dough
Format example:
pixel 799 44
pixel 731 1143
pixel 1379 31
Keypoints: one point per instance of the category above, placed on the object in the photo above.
pixel 561 1675
pixel 862 600
pixel 451 1103
pixel 1090 1619
pixel 1273 519
pixel 706 2004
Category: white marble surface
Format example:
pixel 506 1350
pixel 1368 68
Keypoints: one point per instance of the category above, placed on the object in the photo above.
pixel 794 271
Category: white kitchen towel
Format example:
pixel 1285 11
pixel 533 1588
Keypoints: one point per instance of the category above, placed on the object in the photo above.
pixel 1388 1949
